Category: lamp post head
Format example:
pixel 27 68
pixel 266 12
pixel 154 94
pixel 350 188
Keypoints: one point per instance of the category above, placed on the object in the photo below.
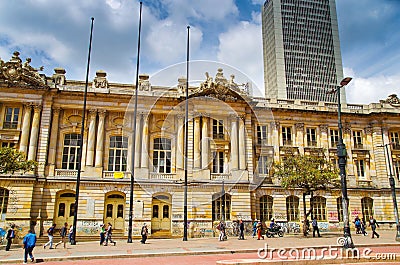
pixel 345 81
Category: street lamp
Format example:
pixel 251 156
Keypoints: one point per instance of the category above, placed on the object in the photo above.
pixel 341 153
pixel 393 189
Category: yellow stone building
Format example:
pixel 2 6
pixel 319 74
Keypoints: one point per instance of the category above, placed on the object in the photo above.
pixel 233 138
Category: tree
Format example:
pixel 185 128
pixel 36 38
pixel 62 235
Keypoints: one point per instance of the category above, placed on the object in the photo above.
pixel 309 173
pixel 12 160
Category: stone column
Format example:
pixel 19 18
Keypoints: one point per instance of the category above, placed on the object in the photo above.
pixel 34 132
pixel 138 144
pixel 145 142
pixel 204 144
pixel 242 144
pixel 234 143
pixel 23 145
pixel 196 143
pixel 180 151
pixel 100 139
pixel 53 140
pixel 275 139
pixel 91 137
pixel 299 137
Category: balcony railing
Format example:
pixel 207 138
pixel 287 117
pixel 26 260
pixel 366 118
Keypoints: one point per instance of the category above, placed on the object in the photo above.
pixel 219 136
pixel 110 174
pixel 169 176
pixel 312 143
pixel 287 142
pixel 219 176
pixel 66 173
pixel 358 146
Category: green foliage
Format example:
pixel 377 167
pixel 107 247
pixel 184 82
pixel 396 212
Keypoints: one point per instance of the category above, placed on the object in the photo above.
pixel 12 160
pixel 308 172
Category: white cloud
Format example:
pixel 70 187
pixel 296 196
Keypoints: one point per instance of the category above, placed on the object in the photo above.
pixel 241 47
pixel 371 89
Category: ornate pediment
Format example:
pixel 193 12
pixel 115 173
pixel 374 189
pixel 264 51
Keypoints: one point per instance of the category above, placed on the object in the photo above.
pixel 220 88
pixel 16 73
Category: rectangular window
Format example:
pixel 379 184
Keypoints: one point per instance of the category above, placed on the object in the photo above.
pixel 218 162
pixel 360 164
pixel 287 135
pixel 396 167
pixel 357 139
pixel 334 137
pixel 11 118
pixel 117 154
pixel 162 155
pixel 218 129
pixel 311 136
pixel 71 151
pixel 395 140
pixel 7 144
pixel 262 134
pixel 263 165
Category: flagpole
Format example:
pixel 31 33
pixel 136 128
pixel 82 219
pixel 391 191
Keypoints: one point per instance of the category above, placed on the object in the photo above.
pixel 186 141
pixel 134 133
pixel 79 166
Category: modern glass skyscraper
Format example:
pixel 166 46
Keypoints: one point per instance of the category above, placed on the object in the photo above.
pixel 302 58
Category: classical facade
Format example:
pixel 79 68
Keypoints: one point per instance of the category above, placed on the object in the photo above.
pixel 233 138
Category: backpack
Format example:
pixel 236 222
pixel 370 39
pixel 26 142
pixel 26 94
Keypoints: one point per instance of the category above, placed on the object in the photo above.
pixel 358 223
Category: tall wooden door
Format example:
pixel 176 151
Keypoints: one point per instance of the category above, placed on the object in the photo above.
pixel 161 213
pixel 65 208
pixel 114 211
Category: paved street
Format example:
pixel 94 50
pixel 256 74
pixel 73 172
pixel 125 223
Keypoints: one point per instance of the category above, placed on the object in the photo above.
pixel 194 251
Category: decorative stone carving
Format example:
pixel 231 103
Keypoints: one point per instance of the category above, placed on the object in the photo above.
pixel 181 85
pixel 323 128
pixel 59 76
pixel 392 100
pixel 144 83
pixel 16 73
pixel 275 125
pixel 100 81
pixel 347 128
pixel 299 126
pixel 368 129
pixel 220 88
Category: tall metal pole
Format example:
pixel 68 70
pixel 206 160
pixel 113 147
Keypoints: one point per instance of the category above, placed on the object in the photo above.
pixel 134 134
pixel 78 177
pixel 393 189
pixel 185 228
pixel 341 152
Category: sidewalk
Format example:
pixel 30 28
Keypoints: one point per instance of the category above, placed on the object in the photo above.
pixel 194 246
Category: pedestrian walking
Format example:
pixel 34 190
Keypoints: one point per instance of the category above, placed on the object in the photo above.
pixel 315 228
pixel 221 228
pixel 109 235
pixel 63 234
pixel 373 224
pixel 50 234
pixel 144 233
pixel 241 230
pixel 102 234
pixel 255 227
pixel 357 224
pixel 29 242
pixel 70 233
pixel 10 236
pixel 363 227
pixel 259 230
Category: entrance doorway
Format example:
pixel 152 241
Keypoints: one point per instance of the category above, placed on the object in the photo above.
pixel 65 209
pixel 114 208
pixel 161 213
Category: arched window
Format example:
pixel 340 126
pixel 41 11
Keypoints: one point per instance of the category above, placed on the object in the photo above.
pixel 70 151
pixel 117 153
pixel 292 208
pixel 319 208
pixel 4 193
pixel 367 206
pixel 162 155
pixel 266 203
pixel 221 207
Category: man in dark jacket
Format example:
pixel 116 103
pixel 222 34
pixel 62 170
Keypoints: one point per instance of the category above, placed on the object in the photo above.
pixel 144 233
pixel 29 244
pixel 241 229
pixel 10 236
pixel 373 224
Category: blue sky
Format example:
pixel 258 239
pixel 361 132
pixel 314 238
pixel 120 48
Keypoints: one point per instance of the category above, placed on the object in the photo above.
pixel 223 33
